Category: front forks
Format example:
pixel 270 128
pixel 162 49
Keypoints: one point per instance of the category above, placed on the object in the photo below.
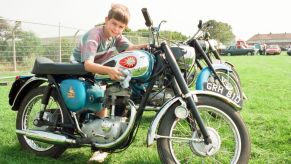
pixel 181 87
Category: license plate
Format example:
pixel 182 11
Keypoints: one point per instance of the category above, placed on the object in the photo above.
pixel 217 88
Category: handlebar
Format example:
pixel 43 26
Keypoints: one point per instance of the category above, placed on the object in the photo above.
pixel 147 18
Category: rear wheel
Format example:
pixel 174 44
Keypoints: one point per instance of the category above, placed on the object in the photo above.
pixel 184 143
pixel 27 116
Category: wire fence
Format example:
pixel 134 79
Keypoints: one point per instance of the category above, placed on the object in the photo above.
pixel 22 42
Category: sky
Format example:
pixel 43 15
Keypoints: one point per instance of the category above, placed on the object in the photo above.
pixel 246 17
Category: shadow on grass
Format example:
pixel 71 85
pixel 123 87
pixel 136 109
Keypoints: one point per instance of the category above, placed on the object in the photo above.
pixel 15 154
pixel 139 161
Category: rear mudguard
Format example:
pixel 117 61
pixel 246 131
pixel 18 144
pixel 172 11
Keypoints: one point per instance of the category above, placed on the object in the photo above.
pixel 155 123
pixel 205 73
pixel 31 83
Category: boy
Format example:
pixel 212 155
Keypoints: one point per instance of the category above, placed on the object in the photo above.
pixel 98 44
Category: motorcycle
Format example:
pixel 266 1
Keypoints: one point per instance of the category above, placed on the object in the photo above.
pixel 214 75
pixel 212 54
pixel 56 110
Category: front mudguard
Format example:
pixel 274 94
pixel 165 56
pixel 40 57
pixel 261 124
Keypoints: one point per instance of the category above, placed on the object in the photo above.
pixel 17 93
pixel 155 123
pixel 206 72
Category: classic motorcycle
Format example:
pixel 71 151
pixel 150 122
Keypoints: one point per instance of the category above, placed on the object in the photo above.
pixel 56 110
pixel 209 72
pixel 211 55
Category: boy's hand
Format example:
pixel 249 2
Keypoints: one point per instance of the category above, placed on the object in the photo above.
pixel 114 73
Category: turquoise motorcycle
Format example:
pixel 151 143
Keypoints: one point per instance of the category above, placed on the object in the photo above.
pixel 56 110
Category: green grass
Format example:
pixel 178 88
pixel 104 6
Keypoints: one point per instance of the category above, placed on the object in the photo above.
pixel 266 80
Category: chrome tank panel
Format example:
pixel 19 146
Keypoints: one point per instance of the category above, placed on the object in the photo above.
pixel 139 63
pixel 185 55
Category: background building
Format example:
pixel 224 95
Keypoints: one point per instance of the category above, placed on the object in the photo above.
pixel 281 39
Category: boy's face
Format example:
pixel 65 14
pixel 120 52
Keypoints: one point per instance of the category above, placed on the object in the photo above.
pixel 113 27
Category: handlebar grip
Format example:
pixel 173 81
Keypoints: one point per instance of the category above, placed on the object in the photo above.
pixel 146 16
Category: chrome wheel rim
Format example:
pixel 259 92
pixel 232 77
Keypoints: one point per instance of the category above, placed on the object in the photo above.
pixel 230 141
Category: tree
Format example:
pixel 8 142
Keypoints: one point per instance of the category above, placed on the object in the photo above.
pixel 127 29
pixel 221 32
pixel 168 35
pixel 67 48
pixel 27 44
pixel 4 28
pixel 52 48
pixel 173 35
pixel 142 32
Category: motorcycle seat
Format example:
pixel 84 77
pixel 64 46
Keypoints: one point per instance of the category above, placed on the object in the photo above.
pixel 43 65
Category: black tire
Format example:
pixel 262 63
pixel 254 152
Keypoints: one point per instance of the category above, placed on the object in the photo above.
pixel 235 73
pixel 30 105
pixel 226 120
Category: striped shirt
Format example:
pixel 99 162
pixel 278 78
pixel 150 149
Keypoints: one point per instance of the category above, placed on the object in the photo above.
pixel 95 46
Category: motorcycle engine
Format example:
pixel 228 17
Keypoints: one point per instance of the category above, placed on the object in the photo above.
pixel 108 129
pixel 105 130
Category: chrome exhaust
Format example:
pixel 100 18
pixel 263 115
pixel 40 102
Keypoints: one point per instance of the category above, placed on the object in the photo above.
pixel 46 137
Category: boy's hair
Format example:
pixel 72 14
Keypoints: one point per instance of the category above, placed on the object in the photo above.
pixel 119 12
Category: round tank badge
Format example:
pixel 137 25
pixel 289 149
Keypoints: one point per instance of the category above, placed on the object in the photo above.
pixel 128 62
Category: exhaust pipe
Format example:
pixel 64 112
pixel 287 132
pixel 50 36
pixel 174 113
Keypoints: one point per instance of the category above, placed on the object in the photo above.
pixel 46 137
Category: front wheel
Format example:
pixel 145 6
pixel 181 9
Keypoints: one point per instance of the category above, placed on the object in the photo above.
pixel 180 139
pixel 229 80
pixel 235 73
pixel 27 116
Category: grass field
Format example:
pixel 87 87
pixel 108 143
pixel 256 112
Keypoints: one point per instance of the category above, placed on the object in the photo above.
pixel 266 80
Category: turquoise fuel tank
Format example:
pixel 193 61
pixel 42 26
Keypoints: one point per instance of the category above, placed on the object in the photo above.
pixel 80 95
pixel 140 63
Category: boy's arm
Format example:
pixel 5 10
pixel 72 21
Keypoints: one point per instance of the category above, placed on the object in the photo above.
pixel 113 72
pixel 137 47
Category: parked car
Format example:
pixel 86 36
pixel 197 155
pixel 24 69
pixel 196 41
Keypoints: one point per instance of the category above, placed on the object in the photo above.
pixel 273 50
pixel 284 48
pixel 234 50
pixel 289 51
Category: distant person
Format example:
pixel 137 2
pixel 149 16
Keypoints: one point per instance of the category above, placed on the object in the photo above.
pixel 260 49
pixel 264 48
pixel 98 45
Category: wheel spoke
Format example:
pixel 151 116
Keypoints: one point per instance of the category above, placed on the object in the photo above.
pixel 32 111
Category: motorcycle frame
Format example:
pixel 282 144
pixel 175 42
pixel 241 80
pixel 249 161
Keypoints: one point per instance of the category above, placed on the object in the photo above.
pixel 199 50
pixel 179 87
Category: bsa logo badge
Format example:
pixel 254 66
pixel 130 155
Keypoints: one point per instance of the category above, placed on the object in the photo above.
pixel 71 93
pixel 128 62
